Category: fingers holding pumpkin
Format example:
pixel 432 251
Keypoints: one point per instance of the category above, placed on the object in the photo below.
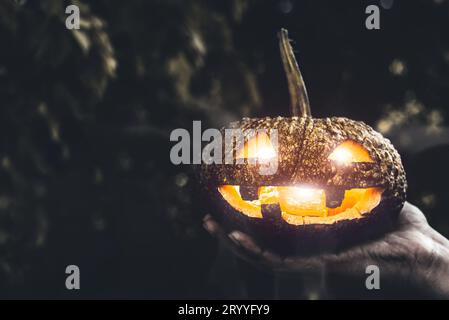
pixel 259 255
pixel 236 241
pixel 243 245
pixel 245 241
pixel 217 231
pixel 247 249
pixel 211 225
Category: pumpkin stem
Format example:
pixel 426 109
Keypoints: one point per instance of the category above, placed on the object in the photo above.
pixel 298 94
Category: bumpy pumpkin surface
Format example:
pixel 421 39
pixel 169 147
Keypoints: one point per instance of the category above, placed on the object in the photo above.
pixel 313 202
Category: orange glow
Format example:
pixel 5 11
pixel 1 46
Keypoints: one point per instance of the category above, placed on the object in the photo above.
pixel 350 151
pixel 268 195
pixel 259 147
pixel 352 196
pixel 232 195
pixel 300 205
pixel 302 201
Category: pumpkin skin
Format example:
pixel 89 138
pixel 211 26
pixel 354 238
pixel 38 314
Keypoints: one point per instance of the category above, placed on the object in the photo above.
pixel 338 182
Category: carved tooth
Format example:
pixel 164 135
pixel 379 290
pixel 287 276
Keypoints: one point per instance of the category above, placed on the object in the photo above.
pixel 334 197
pixel 271 212
pixel 249 193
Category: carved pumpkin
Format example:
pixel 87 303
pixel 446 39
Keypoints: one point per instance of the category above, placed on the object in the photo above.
pixel 338 181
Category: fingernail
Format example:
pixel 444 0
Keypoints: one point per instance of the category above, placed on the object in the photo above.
pixel 210 226
pixel 234 238
pixel 237 235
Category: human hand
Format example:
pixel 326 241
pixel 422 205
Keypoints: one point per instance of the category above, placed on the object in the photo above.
pixel 414 252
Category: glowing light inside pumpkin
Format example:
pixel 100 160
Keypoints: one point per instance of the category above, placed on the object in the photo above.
pixel 259 147
pixel 306 196
pixel 350 151
pixel 302 201
pixel 301 205
pixel 342 156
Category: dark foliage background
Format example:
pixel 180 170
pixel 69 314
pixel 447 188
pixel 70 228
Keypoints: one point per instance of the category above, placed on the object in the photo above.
pixel 85 176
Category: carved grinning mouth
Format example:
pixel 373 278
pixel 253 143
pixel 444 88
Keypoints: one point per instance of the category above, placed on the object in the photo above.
pixel 303 205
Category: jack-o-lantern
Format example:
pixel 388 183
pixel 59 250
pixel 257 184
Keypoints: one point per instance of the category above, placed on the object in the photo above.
pixel 337 181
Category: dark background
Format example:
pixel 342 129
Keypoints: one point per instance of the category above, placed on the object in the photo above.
pixel 85 118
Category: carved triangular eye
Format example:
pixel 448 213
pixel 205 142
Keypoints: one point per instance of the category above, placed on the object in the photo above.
pixel 350 151
pixel 258 147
